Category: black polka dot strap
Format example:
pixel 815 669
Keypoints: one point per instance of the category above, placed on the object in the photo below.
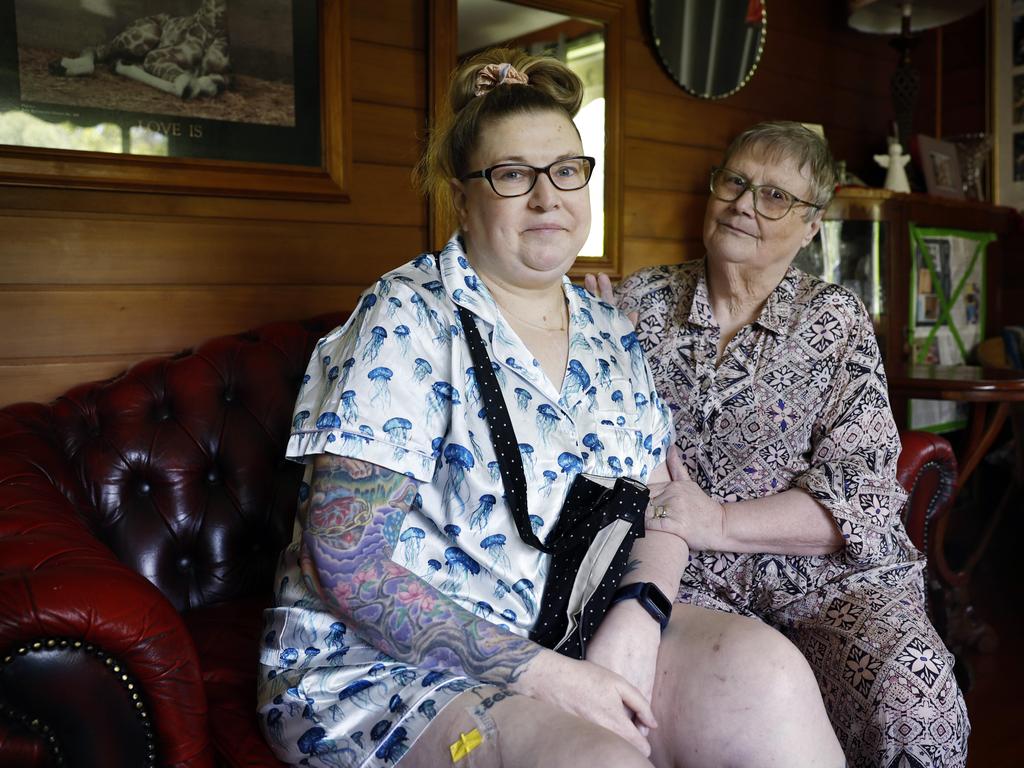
pixel 503 436
pixel 590 541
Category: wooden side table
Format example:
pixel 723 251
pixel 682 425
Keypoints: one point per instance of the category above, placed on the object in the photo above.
pixel 991 393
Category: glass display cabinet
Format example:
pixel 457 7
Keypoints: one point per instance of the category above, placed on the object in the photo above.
pixel 927 268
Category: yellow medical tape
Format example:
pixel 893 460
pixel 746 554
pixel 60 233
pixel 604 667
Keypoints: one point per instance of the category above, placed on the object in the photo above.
pixel 467 743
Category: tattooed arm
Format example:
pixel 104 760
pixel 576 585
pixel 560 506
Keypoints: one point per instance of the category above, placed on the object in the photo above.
pixel 350 530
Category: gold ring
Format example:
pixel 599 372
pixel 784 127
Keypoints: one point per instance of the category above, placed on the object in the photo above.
pixel 660 512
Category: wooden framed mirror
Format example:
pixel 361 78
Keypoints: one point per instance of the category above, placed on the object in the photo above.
pixel 588 36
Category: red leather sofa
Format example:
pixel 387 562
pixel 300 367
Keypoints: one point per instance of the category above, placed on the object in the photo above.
pixel 140 524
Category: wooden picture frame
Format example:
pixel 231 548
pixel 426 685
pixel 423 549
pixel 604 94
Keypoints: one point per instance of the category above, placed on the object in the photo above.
pixel 940 165
pixel 318 134
pixel 1006 100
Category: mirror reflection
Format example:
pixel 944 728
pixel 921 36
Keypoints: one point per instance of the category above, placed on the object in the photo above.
pixel 580 44
pixel 709 47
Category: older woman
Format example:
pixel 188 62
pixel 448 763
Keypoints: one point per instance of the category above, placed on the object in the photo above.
pixel 783 420
pixel 401 630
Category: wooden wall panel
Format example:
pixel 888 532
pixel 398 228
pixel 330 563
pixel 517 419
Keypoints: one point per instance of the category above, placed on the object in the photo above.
pixel 663 214
pixel 151 318
pixel 814 69
pixel 390 22
pixel 24 379
pixel 100 250
pixel 383 74
pixel 380 194
pixel 93 281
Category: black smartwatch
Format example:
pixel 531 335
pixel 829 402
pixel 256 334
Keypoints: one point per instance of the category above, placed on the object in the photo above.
pixel 650 597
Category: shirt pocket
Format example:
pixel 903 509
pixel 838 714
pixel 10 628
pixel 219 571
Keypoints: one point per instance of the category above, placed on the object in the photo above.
pixel 616 402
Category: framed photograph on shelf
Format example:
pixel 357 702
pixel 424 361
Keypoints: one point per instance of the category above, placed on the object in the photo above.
pixel 1007 100
pixel 941 167
pixel 179 96
pixel 946 311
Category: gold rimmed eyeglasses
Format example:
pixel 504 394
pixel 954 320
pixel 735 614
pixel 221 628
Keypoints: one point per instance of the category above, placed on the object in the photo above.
pixel 769 201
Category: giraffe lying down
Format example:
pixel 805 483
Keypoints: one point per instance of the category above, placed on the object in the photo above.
pixel 186 56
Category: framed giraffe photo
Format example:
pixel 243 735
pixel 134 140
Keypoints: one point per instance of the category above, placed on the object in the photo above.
pixel 242 98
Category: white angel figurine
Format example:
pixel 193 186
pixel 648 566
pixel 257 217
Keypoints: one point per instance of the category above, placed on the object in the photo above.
pixel 895 161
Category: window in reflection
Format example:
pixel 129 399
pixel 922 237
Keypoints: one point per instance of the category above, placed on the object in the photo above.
pixel 585 57
pixel 21 129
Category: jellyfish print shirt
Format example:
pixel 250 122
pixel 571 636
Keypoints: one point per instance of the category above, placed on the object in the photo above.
pixel 396 386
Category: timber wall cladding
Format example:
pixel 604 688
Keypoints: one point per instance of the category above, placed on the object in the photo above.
pixel 91 282
pixel 814 69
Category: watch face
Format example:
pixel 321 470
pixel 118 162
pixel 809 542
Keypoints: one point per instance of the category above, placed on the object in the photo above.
pixel 657 598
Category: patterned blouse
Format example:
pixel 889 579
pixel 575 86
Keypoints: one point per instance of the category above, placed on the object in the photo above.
pixel 396 386
pixel 799 399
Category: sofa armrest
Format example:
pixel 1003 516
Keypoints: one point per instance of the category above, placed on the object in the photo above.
pixel 927 470
pixel 94 661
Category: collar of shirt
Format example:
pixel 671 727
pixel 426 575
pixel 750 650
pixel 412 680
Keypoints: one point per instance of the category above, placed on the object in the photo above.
pixel 466 289
pixel 774 315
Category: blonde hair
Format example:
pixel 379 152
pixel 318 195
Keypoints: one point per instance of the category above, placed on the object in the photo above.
pixel 552 86
pixel 788 140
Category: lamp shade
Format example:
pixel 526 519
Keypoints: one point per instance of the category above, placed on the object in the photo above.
pixel 885 16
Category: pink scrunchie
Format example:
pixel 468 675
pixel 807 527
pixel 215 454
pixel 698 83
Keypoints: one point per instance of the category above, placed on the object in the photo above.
pixel 496 74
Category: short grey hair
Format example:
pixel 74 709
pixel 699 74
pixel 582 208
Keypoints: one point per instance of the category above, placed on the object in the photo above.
pixel 787 140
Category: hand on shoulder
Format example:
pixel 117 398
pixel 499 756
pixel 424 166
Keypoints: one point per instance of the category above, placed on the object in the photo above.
pixel 601 286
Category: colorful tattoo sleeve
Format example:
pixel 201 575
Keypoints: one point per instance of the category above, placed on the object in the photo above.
pixel 350 529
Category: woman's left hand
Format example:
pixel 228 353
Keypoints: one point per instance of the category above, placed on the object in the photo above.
pixel 681 507
pixel 627 643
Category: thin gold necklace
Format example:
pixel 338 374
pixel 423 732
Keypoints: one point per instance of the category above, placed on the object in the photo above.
pixel 563 325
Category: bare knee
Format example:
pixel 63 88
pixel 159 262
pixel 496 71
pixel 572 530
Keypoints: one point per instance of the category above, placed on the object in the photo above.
pixel 518 732
pixel 534 735
pixel 776 672
pixel 743 695
pixel 591 746
pixel 747 656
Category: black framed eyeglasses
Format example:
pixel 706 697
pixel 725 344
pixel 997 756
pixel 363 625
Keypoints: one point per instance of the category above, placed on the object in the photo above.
pixel 771 202
pixel 515 179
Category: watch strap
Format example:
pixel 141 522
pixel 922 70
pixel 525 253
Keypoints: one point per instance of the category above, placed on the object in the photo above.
pixel 648 595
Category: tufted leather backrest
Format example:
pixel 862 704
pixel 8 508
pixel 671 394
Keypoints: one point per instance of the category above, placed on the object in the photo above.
pixel 181 465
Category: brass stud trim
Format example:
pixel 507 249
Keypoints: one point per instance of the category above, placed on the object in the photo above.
pixel 37 726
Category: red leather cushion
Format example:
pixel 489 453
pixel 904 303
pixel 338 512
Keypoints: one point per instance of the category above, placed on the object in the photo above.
pixel 227 637
pixel 182 461
pixel 927 469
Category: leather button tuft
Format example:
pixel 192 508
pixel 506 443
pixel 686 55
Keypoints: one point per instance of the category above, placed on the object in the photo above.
pixel 144 488
pixel 229 396
pixel 213 477
pixel 184 564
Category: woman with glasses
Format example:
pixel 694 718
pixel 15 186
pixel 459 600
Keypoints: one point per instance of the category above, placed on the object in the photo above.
pixel 406 602
pixel 788 500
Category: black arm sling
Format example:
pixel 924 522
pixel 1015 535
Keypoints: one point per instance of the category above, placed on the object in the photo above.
pixel 589 543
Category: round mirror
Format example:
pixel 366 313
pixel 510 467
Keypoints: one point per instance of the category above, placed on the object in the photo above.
pixel 710 48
